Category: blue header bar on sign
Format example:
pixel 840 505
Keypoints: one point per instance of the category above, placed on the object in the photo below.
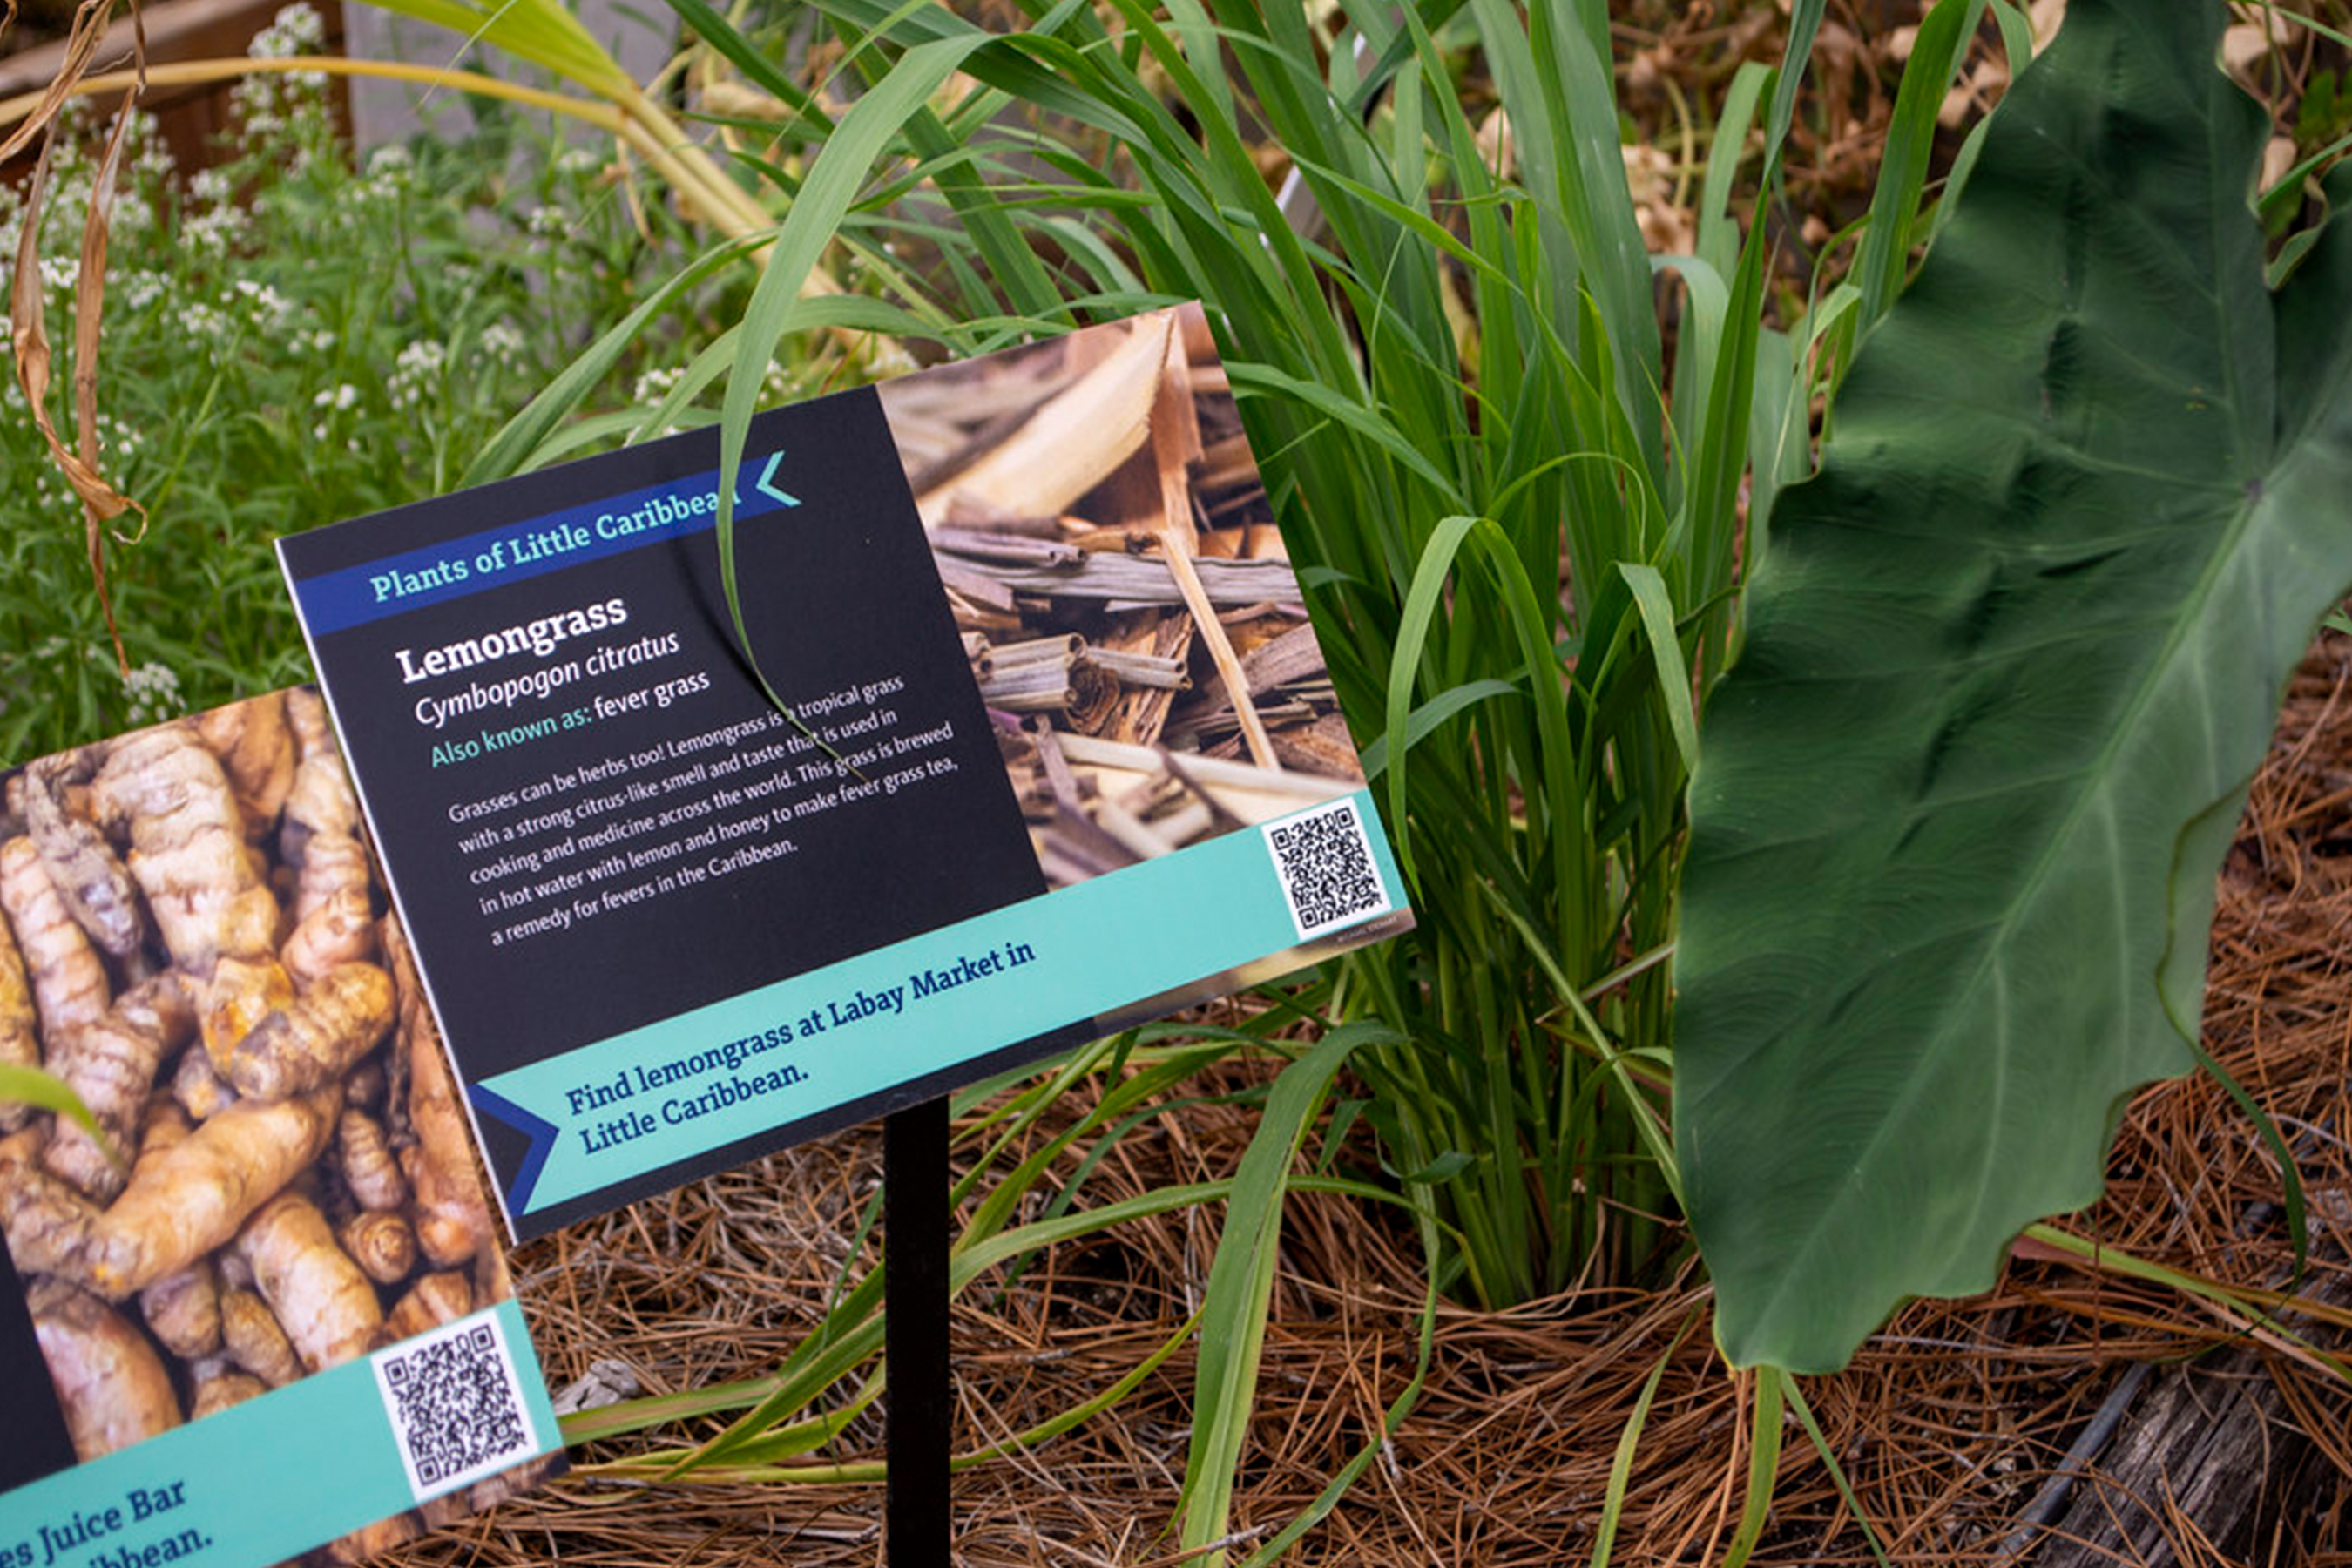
pixel 435 574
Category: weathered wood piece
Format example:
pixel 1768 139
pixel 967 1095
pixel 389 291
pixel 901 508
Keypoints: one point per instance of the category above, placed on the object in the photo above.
pixel 2207 1445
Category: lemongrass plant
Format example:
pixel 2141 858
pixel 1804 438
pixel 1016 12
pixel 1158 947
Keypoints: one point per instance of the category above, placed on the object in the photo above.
pixel 1521 521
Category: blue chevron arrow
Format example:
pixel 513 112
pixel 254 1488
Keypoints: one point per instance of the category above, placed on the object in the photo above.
pixel 765 484
pixel 538 1129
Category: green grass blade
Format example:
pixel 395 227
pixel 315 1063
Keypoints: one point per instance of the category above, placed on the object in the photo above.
pixel 1399 1408
pixel 1429 580
pixel 1796 1401
pixel 523 435
pixel 1804 22
pixel 825 201
pixel 1425 719
pixel 715 29
pixel 1629 1442
pixel 1657 611
pixel 1941 44
pixel 1241 1281
pixel 1718 235
pixel 1763 1468
pixel 46 1092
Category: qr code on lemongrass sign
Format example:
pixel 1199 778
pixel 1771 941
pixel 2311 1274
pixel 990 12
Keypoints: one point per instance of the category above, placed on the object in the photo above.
pixel 455 1403
pixel 1325 862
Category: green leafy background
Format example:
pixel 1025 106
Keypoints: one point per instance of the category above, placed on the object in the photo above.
pixel 2011 660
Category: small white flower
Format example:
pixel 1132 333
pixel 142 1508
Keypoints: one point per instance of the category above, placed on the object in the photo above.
pixel 204 319
pixel 207 232
pixel 416 365
pixel 298 30
pixel 656 385
pixel 152 692
pixel 265 300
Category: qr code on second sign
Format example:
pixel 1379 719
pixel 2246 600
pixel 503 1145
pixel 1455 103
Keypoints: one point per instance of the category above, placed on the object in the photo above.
pixel 1325 862
pixel 456 1405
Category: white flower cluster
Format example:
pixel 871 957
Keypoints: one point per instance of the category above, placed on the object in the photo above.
pixel 297 29
pixel 503 341
pixel 289 103
pixel 203 321
pixel 655 385
pixel 417 375
pixel 267 307
pixel 153 693
pixel 210 217
pixel 393 160
pixel 338 399
pixel 141 287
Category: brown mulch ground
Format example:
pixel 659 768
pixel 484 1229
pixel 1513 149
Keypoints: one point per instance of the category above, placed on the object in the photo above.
pixel 1951 1423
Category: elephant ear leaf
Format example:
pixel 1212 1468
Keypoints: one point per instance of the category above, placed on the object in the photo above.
pixel 2012 658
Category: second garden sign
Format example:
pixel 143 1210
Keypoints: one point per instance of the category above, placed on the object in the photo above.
pixel 1056 752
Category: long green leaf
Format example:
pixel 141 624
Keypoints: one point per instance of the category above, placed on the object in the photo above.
pixel 1241 1282
pixel 1629 1441
pixel 523 435
pixel 1763 1468
pixel 824 200
pixel 46 1092
pixel 2010 665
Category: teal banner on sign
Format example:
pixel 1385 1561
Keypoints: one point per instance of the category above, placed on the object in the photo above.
pixel 703 1080
pixel 267 1479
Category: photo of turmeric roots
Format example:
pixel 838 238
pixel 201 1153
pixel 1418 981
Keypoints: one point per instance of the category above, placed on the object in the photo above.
pixel 191 940
pixel 1108 553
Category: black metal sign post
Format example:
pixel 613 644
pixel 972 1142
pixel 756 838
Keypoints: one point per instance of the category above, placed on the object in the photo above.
pixel 921 1413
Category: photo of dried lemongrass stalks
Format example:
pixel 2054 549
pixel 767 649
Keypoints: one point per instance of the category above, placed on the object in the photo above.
pixel 194 944
pixel 1133 622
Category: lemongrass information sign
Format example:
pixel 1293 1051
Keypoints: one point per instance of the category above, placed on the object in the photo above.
pixel 1058 753
pixel 266 1254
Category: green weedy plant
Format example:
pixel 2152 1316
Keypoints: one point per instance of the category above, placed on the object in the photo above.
pixel 2011 666
pixel 290 340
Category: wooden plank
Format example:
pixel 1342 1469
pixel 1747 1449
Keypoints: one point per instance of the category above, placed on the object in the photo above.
pixel 2208 1443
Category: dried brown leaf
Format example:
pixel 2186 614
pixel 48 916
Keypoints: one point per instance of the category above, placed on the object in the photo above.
pixel 101 502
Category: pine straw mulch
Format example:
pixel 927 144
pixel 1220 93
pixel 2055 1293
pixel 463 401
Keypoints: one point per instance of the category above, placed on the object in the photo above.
pixel 1950 1423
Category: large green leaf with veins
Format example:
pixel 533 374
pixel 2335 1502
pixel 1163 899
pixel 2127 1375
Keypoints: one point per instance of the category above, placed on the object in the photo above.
pixel 2010 661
